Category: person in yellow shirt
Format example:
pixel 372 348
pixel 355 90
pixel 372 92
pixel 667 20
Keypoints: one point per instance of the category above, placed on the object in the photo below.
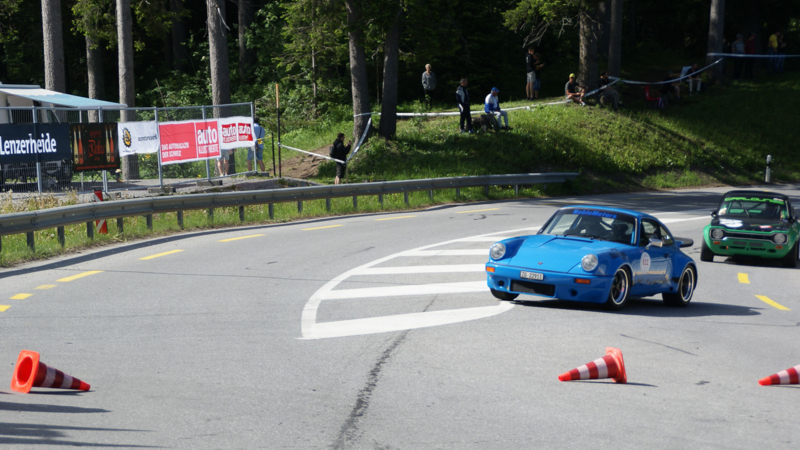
pixel 772 49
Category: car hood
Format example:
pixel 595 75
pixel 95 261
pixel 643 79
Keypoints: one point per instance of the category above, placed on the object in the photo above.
pixel 739 223
pixel 558 253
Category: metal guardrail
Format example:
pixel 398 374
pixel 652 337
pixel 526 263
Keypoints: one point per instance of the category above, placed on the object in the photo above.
pixel 29 222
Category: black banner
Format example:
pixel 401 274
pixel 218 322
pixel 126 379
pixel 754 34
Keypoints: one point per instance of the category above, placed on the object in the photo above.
pixel 20 143
pixel 94 147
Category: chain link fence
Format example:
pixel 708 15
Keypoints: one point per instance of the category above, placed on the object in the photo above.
pixel 58 176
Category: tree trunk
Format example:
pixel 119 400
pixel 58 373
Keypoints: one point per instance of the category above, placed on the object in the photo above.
pixel 358 67
pixel 632 20
pixel 604 27
pixel 588 71
pixel 127 95
pixel 716 28
pixel 94 66
pixel 220 69
pixel 246 13
pixel 178 37
pixel 390 65
pixel 54 76
pixel 615 39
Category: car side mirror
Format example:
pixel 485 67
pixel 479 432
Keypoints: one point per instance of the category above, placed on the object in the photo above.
pixel 656 242
pixel 684 242
pixel 714 214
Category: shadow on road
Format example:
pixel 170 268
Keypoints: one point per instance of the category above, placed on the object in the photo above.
pixel 650 307
pixel 25 434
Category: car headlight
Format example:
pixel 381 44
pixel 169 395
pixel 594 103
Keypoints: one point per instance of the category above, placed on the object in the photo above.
pixel 589 262
pixel 497 251
pixel 780 238
pixel 717 233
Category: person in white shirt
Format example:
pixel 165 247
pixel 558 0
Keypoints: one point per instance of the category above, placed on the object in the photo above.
pixel 492 106
pixel 694 80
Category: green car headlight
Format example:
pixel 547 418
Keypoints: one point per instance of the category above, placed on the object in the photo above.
pixel 780 238
pixel 717 233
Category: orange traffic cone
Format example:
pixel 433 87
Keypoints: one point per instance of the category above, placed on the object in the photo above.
pixel 788 376
pixel 609 366
pixel 32 373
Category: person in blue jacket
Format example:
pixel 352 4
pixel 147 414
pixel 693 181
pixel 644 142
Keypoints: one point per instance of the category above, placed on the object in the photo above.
pixel 492 106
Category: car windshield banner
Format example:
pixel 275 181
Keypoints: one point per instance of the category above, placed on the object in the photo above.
pixel 34 142
pixel 137 137
pixel 188 141
pixel 236 132
pixel 94 146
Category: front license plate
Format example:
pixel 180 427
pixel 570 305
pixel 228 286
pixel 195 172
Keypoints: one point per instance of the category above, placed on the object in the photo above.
pixel 532 275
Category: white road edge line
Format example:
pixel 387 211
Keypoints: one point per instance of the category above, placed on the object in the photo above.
pixel 452 268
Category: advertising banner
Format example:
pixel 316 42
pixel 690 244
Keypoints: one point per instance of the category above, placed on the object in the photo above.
pixel 34 142
pixel 94 146
pixel 188 141
pixel 137 137
pixel 236 132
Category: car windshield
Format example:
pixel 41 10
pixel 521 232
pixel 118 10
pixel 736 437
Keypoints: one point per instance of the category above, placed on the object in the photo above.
pixel 593 224
pixel 753 207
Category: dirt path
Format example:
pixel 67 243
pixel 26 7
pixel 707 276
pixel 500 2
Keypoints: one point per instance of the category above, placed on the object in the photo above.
pixel 302 166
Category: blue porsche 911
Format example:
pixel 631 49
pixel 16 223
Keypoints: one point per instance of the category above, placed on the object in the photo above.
pixel 594 254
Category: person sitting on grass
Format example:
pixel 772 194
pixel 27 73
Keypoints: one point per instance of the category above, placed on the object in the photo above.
pixel 671 88
pixel 574 91
pixel 608 91
pixel 492 106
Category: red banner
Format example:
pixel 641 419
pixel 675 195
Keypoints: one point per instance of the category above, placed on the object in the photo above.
pixel 188 141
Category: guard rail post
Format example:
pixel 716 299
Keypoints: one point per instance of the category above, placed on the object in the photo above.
pixel 149 219
pixel 180 219
pixel 241 214
pixel 271 211
pixel 430 194
pixel 61 238
pixel 328 204
pixel 516 190
pixel 120 225
pixel 90 230
pixel 355 202
pixel 211 215
pixel 458 193
pixel 486 190
pixel 405 197
pixel 31 241
pixel 380 200
pixel 300 207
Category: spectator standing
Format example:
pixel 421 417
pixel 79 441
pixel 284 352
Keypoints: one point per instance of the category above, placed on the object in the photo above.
pixel 538 66
pixel 257 149
pixel 530 69
pixel 608 91
pixel 781 52
pixel 492 106
pixel 749 49
pixel 772 49
pixel 574 91
pixel 340 151
pixel 738 62
pixel 694 79
pixel 462 98
pixel 223 162
pixel 428 84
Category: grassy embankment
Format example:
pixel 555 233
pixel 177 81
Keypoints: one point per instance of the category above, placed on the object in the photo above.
pixel 719 137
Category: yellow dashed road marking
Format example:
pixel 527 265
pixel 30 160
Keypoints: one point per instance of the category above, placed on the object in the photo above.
pixel 241 237
pixel 394 218
pixel 46 286
pixel 477 210
pixel 744 279
pixel 20 296
pixel 158 255
pixel 771 302
pixel 80 275
pixel 320 228
pixel 4 307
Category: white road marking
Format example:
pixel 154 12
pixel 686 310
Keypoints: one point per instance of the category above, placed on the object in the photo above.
pixel 460 252
pixel 485 238
pixel 452 268
pixel 413 289
pixel 666 221
pixel 312 330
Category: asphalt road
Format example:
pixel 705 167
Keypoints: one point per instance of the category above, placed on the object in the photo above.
pixel 377 332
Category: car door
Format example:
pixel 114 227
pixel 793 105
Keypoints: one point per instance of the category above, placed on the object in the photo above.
pixel 652 263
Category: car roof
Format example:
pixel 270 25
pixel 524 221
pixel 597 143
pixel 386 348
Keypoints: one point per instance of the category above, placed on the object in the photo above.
pixel 630 212
pixel 755 193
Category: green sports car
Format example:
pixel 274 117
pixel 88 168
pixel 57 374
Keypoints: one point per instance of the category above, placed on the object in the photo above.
pixel 753 223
